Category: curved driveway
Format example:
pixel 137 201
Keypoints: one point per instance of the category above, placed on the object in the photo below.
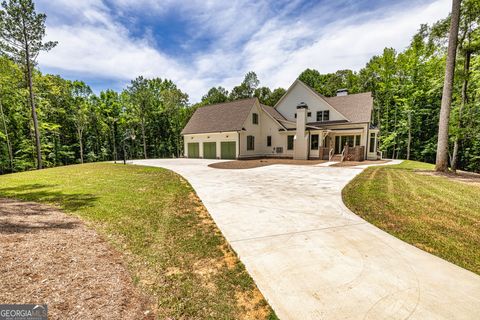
pixel 312 258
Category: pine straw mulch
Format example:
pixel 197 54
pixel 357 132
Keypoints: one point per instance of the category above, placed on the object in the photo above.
pixel 256 163
pixel 49 257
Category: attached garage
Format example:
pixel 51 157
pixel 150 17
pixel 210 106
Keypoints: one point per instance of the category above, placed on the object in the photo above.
pixel 228 149
pixel 210 150
pixel 193 150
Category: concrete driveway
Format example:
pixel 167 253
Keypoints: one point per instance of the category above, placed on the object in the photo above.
pixel 312 258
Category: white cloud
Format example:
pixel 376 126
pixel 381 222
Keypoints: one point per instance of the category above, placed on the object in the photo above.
pixel 247 36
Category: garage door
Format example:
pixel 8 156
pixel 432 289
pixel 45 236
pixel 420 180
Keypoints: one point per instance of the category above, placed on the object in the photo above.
pixel 210 150
pixel 193 150
pixel 228 149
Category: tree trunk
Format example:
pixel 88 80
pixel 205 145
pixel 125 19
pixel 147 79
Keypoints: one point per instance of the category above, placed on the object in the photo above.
pixel 114 144
pixel 5 129
pixel 466 68
pixel 409 134
pixel 144 139
pixel 442 146
pixel 80 143
pixel 32 100
pixel 34 116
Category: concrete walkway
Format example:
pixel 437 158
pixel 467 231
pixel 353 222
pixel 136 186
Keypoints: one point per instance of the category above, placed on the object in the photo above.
pixel 312 258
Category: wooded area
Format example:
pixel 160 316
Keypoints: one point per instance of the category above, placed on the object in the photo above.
pixel 145 120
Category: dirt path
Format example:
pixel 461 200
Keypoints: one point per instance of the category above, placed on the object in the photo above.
pixel 49 257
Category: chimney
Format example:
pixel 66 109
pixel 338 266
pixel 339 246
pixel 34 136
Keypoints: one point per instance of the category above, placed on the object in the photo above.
pixel 300 148
pixel 342 92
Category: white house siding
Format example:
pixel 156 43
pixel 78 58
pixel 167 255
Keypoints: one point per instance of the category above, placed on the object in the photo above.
pixel 301 93
pixel 266 127
pixel 254 130
pixel 209 137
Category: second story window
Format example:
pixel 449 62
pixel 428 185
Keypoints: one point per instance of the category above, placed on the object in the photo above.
pixel 326 115
pixel 323 115
pixel 269 141
pixel 255 118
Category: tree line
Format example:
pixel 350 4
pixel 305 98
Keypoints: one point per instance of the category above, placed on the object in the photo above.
pixel 46 120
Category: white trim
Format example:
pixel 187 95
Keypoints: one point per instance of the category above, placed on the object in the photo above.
pixel 316 94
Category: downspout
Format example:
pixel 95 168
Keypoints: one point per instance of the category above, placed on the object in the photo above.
pixel 308 145
pixel 238 156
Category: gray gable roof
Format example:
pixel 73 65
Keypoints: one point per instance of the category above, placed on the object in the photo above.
pixel 222 117
pixel 273 112
pixel 355 107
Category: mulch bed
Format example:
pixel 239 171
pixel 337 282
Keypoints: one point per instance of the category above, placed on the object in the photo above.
pixel 48 257
pixel 255 163
pixel 358 163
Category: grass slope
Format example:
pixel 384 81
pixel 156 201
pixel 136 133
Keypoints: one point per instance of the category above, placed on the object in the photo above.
pixel 433 213
pixel 173 249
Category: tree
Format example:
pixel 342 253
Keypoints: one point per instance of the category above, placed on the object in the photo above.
pixel 269 97
pixel 247 88
pixel 21 33
pixel 469 43
pixel 441 164
pixel 140 97
pixel 215 95
pixel 5 80
pixel 81 94
pixel 111 109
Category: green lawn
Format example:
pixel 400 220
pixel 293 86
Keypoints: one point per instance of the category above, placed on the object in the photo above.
pixel 173 249
pixel 434 213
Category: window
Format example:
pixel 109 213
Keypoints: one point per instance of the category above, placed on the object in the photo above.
pixel 250 143
pixel 357 140
pixel 347 140
pixel 314 142
pixel 326 115
pixel 289 142
pixel 269 141
pixel 372 142
pixel 255 118
pixel 295 115
pixel 323 115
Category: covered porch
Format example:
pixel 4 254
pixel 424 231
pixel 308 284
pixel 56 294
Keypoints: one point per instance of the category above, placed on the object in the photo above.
pixel 352 144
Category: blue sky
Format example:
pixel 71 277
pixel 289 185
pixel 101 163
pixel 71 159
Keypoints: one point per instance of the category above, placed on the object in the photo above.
pixel 200 44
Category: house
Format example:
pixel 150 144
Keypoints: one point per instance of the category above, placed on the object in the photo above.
pixel 302 125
